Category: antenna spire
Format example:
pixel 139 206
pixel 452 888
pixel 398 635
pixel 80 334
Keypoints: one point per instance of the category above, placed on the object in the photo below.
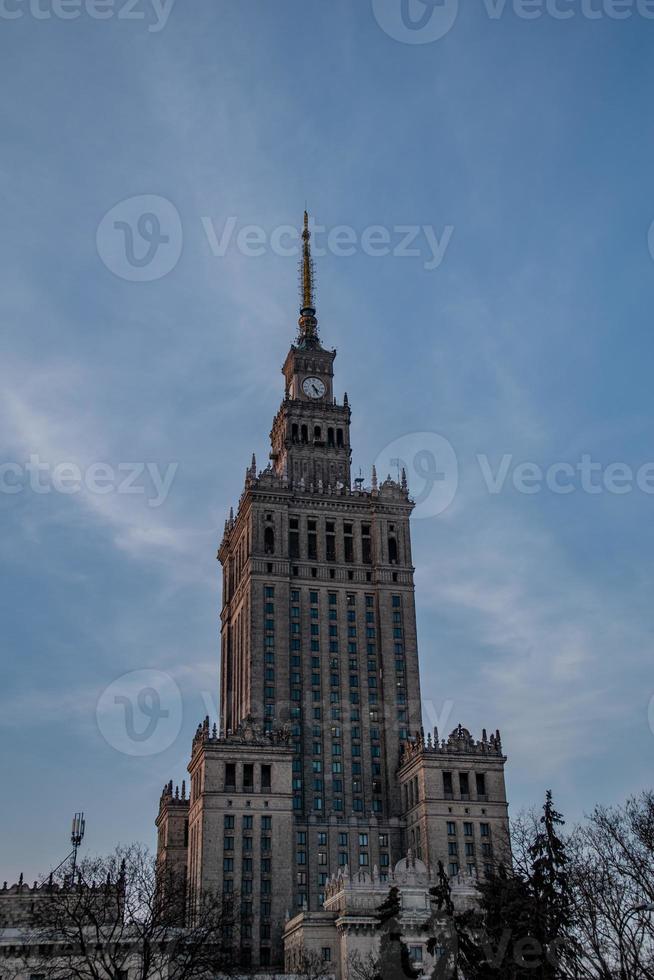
pixel 307 265
pixel 308 336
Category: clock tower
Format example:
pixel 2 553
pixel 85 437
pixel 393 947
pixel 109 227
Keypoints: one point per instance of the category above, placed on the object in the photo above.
pixel 310 436
pixel 319 766
pixel 318 625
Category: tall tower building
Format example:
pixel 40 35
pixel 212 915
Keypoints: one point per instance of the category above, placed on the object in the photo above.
pixel 318 625
pixel 319 772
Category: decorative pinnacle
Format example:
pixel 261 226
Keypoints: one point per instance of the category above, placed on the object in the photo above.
pixel 307 322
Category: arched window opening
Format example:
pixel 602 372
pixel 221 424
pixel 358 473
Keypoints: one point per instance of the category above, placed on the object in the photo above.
pixel 330 437
pixel 295 433
pixel 317 433
pixel 339 438
pixel 305 434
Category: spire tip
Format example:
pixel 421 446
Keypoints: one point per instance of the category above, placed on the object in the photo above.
pixel 308 322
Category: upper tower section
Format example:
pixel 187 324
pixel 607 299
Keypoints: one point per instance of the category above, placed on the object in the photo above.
pixel 310 436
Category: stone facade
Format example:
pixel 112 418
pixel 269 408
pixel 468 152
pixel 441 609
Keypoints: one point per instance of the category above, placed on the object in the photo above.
pixel 172 829
pixel 320 688
pixel 349 932
pixel 454 800
pixel 318 626
pixel 240 833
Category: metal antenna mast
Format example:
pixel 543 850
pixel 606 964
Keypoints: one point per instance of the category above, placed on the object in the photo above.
pixel 76 838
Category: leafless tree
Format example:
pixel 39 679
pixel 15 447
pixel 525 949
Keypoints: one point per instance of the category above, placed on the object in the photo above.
pixel 366 967
pixel 612 875
pixel 120 915
pixel 310 965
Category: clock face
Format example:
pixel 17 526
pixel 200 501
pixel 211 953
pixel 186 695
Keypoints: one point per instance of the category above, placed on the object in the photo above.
pixel 313 388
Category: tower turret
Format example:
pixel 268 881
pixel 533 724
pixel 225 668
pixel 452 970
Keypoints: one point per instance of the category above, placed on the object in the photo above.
pixel 311 433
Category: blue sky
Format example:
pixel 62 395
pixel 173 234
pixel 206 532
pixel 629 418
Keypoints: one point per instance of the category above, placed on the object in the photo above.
pixel 532 141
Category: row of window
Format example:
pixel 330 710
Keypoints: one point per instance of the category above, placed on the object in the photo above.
pixel 343 839
pixel 246 782
pixel 247 844
pixel 464 785
pixel 412 789
pixel 468 829
pixel 296 678
pixel 468 848
pixel 247 909
pixel 300 434
pixel 247 865
pixel 343 860
pixel 245 955
pixel 247 820
pixel 247 886
pixel 329 551
pixel 454 868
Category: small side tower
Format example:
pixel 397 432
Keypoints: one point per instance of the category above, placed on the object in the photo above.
pixel 454 801
pixel 172 848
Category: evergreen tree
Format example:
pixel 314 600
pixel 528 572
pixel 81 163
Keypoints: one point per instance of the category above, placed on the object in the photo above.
pixel 395 963
pixel 519 930
pixel 550 889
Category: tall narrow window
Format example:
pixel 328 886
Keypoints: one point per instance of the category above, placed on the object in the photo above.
pixel 295 433
pixel 312 541
pixel 294 538
pixel 230 776
pixel 464 785
pixel 248 776
pixel 447 785
pixel 330 541
pixel 265 777
pixel 305 434
pixel 348 541
pixel 366 548
pixel 392 550
pixel 339 438
pixel 269 541
pixel 330 437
